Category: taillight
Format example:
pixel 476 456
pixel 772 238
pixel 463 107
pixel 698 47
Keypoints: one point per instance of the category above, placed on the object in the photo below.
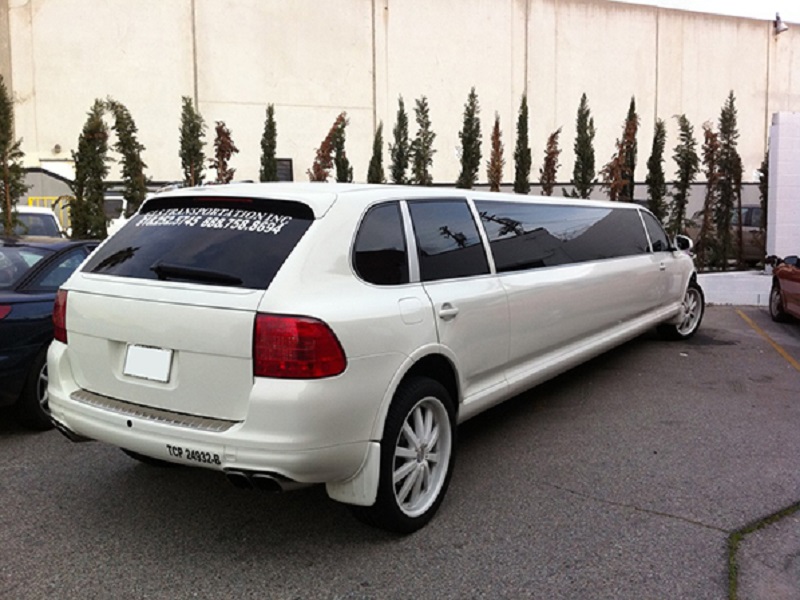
pixel 295 348
pixel 60 317
pixel 4 310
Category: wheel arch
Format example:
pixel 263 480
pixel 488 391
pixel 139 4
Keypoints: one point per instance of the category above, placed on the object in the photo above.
pixel 434 363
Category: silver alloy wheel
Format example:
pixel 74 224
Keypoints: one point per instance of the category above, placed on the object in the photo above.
pixel 692 311
pixel 422 456
pixel 41 389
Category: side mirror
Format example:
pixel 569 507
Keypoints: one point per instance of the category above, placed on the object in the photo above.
pixel 684 243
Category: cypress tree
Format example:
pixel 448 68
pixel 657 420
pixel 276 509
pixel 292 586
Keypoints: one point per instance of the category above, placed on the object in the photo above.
pixel 193 130
pixel 655 180
pixel 375 172
pixel 730 185
pixel 617 174
pixel 522 151
pixel 613 173
pixel 421 151
pixel 705 242
pixel 134 182
pixel 688 163
pixel 224 149
pixel 323 162
pixel 494 167
pixel 583 171
pixel 470 136
pixel 549 170
pixel 87 207
pixel 12 177
pixel 344 172
pixel 763 192
pixel 269 147
pixel 631 151
pixel 398 151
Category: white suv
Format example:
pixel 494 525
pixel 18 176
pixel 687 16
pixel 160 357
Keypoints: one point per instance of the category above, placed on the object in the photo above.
pixel 293 334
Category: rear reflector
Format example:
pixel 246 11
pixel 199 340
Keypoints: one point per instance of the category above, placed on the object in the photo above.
pixel 60 316
pixel 295 348
pixel 4 310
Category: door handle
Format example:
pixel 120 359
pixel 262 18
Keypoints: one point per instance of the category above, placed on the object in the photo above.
pixel 662 266
pixel 447 312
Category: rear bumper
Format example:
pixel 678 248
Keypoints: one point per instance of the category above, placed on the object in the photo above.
pixel 217 451
pixel 247 446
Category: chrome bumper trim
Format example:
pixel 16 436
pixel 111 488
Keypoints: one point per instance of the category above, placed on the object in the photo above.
pixel 157 415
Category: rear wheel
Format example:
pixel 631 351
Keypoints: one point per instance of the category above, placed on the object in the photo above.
pixel 33 405
pixel 692 314
pixel 776 304
pixel 417 452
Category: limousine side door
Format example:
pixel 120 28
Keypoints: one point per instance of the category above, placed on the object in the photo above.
pixel 573 273
pixel 469 303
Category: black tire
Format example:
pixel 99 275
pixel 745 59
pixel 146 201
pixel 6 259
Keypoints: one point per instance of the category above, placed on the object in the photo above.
pixel 776 304
pixel 32 406
pixel 149 460
pixel 694 305
pixel 423 406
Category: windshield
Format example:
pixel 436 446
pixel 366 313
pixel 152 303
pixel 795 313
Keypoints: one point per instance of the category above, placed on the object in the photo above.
pixel 15 262
pixel 37 224
pixel 233 242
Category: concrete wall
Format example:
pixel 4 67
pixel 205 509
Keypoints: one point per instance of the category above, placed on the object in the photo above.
pixel 314 59
pixel 783 211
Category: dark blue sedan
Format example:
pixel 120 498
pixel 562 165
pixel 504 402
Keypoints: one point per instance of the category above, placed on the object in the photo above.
pixel 31 272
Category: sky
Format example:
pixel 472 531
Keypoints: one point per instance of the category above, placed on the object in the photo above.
pixel 756 9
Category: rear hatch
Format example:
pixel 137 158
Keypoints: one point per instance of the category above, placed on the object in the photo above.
pixel 162 314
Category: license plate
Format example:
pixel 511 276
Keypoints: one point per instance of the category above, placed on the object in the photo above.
pixel 145 362
pixel 192 455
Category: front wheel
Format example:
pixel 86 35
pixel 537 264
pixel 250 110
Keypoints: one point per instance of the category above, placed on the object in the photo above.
pixel 776 304
pixel 417 452
pixel 691 315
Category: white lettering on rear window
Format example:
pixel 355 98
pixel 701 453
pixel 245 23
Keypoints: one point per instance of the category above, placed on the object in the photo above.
pixel 216 218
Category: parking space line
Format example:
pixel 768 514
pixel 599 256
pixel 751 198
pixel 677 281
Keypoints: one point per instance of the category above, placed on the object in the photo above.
pixel 778 348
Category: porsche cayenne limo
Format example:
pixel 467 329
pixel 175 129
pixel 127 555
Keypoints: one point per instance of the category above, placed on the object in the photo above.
pixel 290 334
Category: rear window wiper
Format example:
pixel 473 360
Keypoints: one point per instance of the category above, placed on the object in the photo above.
pixel 167 271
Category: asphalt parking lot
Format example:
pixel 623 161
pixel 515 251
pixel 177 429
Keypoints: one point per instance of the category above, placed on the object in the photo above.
pixel 624 478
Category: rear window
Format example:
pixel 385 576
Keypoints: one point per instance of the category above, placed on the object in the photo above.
pixel 216 241
pixel 36 224
pixel 16 261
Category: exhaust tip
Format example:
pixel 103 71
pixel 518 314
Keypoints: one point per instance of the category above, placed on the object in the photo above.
pixel 265 483
pixel 239 480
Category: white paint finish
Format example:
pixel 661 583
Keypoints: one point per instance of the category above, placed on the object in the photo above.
pixel 320 430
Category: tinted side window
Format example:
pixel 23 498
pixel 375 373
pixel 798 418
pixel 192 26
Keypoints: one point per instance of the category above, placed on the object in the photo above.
pixel 380 254
pixel 447 240
pixel 526 236
pixel 752 217
pixel 658 239
pixel 217 241
pixel 57 273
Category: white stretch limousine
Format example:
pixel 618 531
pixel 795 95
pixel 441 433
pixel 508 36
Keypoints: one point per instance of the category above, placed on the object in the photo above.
pixel 291 334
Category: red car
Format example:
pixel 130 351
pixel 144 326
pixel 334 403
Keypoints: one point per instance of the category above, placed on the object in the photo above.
pixel 784 299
